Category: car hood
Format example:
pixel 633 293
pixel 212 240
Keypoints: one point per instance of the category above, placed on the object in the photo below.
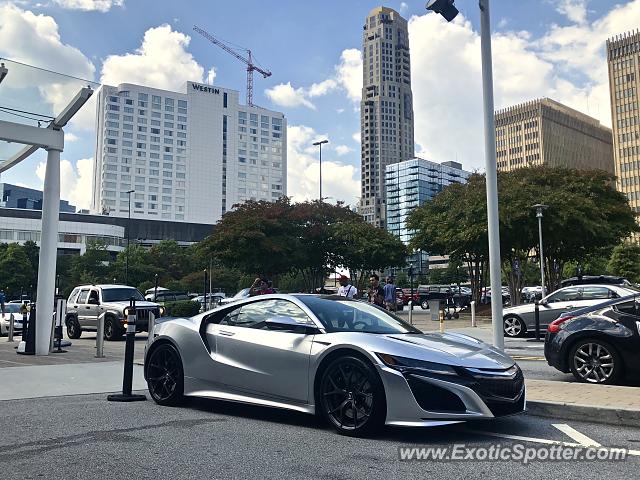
pixel 125 303
pixel 453 349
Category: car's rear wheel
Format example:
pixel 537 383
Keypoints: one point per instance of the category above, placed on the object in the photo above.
pixel 424 305
pixel 73 327
pixel 351 396
pixel 112 329
pixel 514 327
pixel 165 377
pixel 595 361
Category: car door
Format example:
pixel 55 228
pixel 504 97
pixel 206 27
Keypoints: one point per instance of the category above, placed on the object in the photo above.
pixel 628 314
pixel 79 306
pixel 91 309
pixel 254 359
pixel 557 303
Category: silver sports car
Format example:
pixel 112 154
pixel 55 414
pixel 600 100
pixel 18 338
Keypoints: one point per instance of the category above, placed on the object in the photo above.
pixel 353 363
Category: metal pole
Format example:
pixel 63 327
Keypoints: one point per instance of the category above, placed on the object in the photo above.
pixel 10 333
pixel 150 326
pixel 155 290
pixel 474 322
pixel 321 172
pixel 539 215
pixel 205 290
pixel 411 311
pixel 48 252
pixel 537 319
pixel 100 336
pixel 492 177
pixel 126 265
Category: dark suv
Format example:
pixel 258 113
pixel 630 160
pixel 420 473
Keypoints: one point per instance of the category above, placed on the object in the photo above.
pixel 87 302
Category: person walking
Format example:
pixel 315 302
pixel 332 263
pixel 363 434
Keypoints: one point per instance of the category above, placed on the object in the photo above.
pixel 390 295
pixel 346 289
pixel 375 291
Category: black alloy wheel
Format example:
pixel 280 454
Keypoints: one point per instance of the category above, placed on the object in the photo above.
pixel 595 361
pixel 164 374
pixel 351 396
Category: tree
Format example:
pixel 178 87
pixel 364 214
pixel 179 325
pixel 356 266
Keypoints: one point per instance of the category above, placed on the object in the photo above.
pixel 141 268
pixel 171 260
pixel 15 270
pixel 92 266
pixel 625 261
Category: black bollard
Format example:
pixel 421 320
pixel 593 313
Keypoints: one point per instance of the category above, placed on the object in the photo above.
pixel 29 332
pixel 537 319
pixel 126 395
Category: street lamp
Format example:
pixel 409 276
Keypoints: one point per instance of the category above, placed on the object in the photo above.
pixel 539 209
pixel 319 144
pixel 126 265
pixel 447 9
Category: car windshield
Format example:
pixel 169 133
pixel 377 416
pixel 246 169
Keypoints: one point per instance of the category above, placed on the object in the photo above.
pixel 242 293
pixel 339 314
pixel 120 294
pixel 11 308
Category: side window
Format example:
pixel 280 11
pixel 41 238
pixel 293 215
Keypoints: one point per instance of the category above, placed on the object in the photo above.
pixel 230 317
pixel 597 293
pixel 565 295
pixel 628 308
pixel 254 315
pixel 82 298
pixel 93 297
pixel 74 294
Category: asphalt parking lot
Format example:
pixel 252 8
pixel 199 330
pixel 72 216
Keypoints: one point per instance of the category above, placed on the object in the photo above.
pixel 85 436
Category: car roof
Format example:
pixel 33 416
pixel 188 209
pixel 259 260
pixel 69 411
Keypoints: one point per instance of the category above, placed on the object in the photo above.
pixel 104 286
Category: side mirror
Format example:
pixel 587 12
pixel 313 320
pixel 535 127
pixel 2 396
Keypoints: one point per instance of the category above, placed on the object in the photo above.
pixel 544 303
pixel 287 323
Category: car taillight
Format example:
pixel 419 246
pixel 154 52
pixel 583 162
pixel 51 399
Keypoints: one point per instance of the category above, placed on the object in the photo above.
pixel 554 327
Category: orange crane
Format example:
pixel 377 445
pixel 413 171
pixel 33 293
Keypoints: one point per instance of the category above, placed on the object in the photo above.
pixel 248 61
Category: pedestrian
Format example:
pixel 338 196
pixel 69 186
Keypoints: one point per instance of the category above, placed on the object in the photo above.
pixel 346 289
pixel 2 300
pixel 375 291
pixel 260 287
pixel 390 295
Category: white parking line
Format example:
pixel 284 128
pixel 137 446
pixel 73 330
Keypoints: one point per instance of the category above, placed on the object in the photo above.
pixel 635 453
pixel 576 435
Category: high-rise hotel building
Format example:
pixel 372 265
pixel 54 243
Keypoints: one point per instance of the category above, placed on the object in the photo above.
pixel 386 109
pixel 187 156
pixel 623 58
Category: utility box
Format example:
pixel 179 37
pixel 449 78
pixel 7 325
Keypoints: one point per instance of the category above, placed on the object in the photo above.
pixel 434 309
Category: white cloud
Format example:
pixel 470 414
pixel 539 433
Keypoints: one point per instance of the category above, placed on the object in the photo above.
pixel 70 137
pixel 89 5
pixel 567 64
pixel 211 75
pixel 356 137
pixel 75 181
pixel 574 10
pixel 404 7
pixel 347 77
pixel 161 62
pixel 343 150
pixel 35 40
pixel 339 181
pixel 287 96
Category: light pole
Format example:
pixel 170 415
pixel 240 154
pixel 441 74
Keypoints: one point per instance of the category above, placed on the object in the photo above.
pixel 539 209
pixel 126 265
pixel 447 9
pixel 319 144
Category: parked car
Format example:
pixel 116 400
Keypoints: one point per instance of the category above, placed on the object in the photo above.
pixel 212 299
pixel 448 294
pixel 87 302
pixel 244 293
pixel 357 365
pixel 167 296
pixel 11 311
pixel 521 319
pixel 531 294
pixel 600 344
pixel 596 279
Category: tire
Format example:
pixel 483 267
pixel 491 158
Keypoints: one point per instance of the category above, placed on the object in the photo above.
pixel 514 326
pixel 350 386
pixel 424 305
pixel 112 329
pixel 165 375
pixel 73 327
pixel 595 361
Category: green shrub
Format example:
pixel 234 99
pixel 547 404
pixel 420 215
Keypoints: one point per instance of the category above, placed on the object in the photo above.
pixel 185 308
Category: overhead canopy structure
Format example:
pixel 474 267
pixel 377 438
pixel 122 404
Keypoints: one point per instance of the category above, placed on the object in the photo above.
pixel 35 104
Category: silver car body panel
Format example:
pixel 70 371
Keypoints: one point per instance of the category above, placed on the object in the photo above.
pixel 278 368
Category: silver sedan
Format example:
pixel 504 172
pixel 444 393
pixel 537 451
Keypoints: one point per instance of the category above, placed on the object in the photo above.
pixel 521 319
pixel 353 363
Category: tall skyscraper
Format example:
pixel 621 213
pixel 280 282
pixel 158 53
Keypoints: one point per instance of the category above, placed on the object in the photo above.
pixel 545 132
pixel 386 109
pixel 187 156
pixel 623 58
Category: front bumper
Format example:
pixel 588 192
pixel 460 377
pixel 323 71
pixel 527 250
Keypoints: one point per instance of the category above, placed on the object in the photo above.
pixel 418 399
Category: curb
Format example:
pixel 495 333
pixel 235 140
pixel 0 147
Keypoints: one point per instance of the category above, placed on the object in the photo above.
pixel 591 413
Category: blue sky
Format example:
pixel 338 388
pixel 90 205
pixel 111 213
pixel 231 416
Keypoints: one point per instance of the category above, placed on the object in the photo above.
pixel 541 48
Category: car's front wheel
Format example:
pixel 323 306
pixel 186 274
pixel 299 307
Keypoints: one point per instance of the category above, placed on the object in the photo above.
pixel 164 374
pixel 351 396
pixel 514 327
pixel 595 361
pixel 112 329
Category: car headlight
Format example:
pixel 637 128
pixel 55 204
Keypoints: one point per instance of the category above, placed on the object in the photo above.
pixel 162 311
pixel 408 364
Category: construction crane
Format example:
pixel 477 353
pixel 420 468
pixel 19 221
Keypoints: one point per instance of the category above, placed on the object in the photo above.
pixel 248 61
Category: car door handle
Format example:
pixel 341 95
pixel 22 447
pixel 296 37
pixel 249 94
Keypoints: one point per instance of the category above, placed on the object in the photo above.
pixel 88 308
pixel 226 333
